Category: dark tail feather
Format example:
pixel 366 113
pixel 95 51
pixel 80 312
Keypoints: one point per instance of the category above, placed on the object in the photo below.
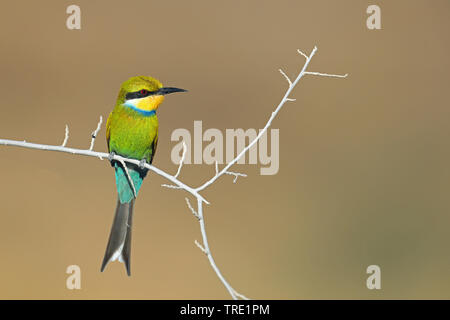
pixel 119 243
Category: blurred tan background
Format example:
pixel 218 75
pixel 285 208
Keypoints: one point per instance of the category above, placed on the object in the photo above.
pixel 364 162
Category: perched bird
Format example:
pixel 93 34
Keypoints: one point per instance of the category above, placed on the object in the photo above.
pixel 132 132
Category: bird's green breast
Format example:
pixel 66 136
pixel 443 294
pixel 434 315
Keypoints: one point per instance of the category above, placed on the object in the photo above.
pixel 132 134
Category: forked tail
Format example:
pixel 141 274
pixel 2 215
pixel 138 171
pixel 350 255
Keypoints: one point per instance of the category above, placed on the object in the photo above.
pixel 119 243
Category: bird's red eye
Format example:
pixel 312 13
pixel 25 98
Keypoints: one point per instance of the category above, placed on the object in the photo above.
pixel 143 92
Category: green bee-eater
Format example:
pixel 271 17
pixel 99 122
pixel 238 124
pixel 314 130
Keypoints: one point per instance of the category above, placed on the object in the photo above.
pixel 132 132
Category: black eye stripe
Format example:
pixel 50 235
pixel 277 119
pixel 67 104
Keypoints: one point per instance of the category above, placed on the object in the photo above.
pixel 139 94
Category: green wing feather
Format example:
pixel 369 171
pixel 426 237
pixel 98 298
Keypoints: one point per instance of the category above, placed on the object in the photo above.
pixel 131 135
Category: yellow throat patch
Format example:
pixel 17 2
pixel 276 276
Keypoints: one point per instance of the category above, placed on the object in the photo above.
pixel 149 103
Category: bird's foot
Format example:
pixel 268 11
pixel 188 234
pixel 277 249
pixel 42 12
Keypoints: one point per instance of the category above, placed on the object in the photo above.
pixel 111 158
pixel 142 164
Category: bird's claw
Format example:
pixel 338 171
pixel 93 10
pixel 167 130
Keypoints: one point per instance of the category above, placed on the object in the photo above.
pixel 142 164
pixel 111 158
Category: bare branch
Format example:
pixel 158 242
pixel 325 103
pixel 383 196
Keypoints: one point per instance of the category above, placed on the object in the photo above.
pixel 200 247
pixel 181 160
pixel 327 75
pixel 128 176
pixel 177 184
pixel 240 295
pixel 192 209
pixel 171 186
pixel 287 78
pixel 101 156
pixel 95 132
pixel 66 136
pixel 205 248
pixel 268 124
pixel 304 55
pixel 236 175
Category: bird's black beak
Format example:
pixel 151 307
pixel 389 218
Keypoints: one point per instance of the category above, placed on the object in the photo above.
pixel 164 91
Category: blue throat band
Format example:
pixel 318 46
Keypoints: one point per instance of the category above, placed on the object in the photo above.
pixel 143 112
